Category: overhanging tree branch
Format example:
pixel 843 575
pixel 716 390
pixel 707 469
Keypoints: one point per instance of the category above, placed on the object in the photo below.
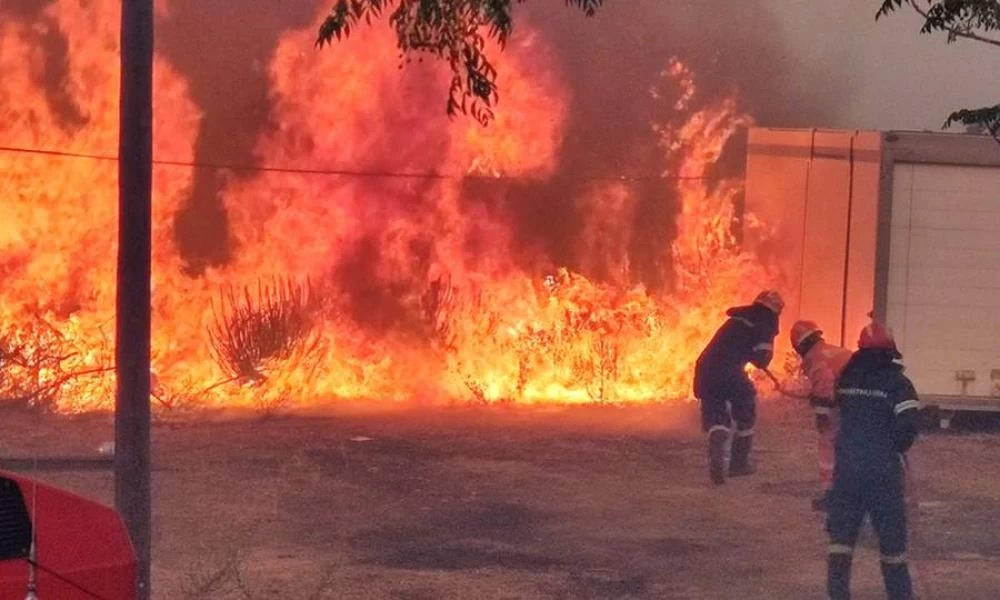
pixel 988 117
pixel 960 19
pixel 947 18
pixel 449 30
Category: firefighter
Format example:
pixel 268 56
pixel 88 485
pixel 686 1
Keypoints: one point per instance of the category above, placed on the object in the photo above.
pixel 822 363
pixel 723 387
pixel 878 424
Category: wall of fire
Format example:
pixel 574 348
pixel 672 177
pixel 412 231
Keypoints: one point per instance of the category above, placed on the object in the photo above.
pixel 818 194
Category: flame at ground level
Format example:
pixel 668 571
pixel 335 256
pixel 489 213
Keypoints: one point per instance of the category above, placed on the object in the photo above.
pixel 356 286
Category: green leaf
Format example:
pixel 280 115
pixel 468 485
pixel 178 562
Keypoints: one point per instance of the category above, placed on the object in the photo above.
pixel 988 117
pixel 452 30
pixel 889 6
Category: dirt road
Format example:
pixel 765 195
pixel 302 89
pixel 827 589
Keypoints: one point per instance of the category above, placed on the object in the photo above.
pixel 501 504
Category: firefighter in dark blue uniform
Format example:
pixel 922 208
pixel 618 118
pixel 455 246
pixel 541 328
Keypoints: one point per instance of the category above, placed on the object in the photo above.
pixel 723 387
pixel 878 408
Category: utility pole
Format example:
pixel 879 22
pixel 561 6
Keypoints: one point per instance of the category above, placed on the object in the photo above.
pixel 132 331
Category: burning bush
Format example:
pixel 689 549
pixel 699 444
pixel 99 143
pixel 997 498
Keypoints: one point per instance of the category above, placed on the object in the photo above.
pixel 251 331
pixel 39 364
pixel 437 283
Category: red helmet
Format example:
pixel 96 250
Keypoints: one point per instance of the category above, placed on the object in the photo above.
pixel 876 336
pixel 770 299
pixel 801 330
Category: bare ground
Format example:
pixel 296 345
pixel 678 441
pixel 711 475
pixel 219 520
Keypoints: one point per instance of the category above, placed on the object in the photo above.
pixel 504 504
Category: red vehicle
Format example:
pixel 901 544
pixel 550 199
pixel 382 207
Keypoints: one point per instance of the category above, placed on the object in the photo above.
pixel 59 546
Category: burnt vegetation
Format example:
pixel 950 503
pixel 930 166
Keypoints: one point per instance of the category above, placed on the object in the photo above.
pixel 38 362
pixel 253 329
pixel 584 347
pixel 441 309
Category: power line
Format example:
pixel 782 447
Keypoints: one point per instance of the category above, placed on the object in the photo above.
pixel 361 173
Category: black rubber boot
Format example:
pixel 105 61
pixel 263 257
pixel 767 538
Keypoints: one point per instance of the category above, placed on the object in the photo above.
pixel 739 464
pixel 898 585
pixel 838 576
pixel 717 441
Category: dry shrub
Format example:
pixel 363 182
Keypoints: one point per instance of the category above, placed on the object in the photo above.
pixel 598 369
pixel 478 391
pixel 250 331
pixel 39 364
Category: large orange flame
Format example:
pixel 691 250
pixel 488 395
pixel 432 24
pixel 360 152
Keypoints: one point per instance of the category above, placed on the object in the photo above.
pixel 446 301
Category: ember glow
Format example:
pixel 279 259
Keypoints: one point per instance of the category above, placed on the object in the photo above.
pixel 406 279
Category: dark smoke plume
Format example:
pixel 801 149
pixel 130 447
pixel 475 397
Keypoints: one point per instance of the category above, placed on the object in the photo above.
pixel 52 74
pixel 223 48
pixel 611 61
pixel 608 63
